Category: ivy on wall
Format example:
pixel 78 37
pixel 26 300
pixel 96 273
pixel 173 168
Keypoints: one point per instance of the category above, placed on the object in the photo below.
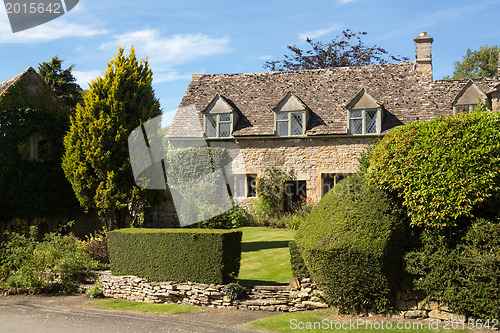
pixel 32 188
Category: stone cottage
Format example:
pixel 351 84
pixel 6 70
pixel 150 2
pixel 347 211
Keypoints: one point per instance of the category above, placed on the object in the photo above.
pixel 317 122
pixel 33 189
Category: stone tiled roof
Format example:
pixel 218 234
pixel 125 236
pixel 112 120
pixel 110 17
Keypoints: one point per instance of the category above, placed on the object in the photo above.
pixel 405 93
pixel 35 85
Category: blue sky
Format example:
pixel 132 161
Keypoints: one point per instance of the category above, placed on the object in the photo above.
pixel 182 38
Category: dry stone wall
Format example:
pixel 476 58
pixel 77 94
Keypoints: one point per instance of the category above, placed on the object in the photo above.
pixel 300 296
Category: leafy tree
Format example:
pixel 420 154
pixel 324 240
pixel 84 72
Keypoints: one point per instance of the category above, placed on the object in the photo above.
pixel 96 160
pixel 478 63
pixel 445 171
pixel 345 50
pixel 62 82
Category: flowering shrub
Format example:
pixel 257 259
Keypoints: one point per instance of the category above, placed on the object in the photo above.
pixel 299 212
pixel 58 261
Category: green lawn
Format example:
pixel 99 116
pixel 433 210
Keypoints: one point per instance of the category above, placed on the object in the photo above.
pixel 118 304
pixel 264 255
pixel 324 321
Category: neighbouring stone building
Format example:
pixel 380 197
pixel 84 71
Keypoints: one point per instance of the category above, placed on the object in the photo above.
pixel 317 122
pixel 33 189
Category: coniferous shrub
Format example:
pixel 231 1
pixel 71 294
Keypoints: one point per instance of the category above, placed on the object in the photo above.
pixel 299 268
pixel 351 244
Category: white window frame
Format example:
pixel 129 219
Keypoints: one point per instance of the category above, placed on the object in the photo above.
pixel 363 117
pixel 289 120
pixel 218 124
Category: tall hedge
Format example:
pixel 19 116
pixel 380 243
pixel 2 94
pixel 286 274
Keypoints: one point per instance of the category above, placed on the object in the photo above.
pixel 351 246
pixel 445 171
pixel 466 277
pixel 196 255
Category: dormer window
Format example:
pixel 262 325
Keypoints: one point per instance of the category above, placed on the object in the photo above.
pixel 218 125
pixel 468 98
pixel 290 117
pixel 364 115
pixel 219 118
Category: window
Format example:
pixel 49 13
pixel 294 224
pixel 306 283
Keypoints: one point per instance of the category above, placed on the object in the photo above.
pixel 295 193
pixel 329 180
pixel 243 186
pixel 464 108
pixel 365 121
pixel 290 123
pixel 36 148
pixel 218 125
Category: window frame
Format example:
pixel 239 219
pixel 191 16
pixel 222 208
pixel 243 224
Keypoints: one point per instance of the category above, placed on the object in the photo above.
pixel 364 119
pixel 336 180
pixel 303 113
pixel 247 192
pixel 218 123
pixel 470 106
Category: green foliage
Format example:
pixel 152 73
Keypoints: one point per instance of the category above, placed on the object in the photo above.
pixel 296 216
pixel 478 63
pixel 235 291
pixel 197 255
pixel 62 82
pixel 465 277
pixel 25 182
pixel 233 218
pixel 351 245
pixel 445 171
pixel 95 291
pixel 96 160
pixel 299 268
pixel 57 261
pixel 270 187
pixel 96 246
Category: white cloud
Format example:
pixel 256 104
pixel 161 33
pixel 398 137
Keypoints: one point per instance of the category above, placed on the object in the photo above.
pixel 159 77
pixel 83 78
pixel 343 2
pixel 320 32
pixel 265 57
pixel 173 50
pixel 47 32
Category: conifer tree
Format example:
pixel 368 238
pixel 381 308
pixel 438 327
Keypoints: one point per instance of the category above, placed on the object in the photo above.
pixel 96 159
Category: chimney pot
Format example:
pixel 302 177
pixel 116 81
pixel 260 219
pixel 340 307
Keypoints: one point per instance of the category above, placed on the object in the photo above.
pixel 423 34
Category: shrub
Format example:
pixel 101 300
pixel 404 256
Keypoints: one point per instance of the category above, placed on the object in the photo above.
pixel 296 216
pixel 96 247
pixel 198 255
pixel 236 291
pixel 233 218
pixel 270 187
pixel 465 277
pixel 58 262
pixel 446 171
pixel 95 291
pixel 299 268
pixel 351 245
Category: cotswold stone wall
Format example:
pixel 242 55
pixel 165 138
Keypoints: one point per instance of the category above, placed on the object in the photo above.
pixel 300 296
pixel 308 158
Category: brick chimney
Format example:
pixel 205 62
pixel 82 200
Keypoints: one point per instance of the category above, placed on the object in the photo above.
pixel 423 52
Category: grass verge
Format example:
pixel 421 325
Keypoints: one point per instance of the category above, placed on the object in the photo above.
pixel 325 321
pixel 118 304
pixel 265 258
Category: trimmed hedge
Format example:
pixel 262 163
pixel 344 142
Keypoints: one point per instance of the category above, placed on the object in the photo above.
pixel 351 244
pixel 299 268
pixel 465 278
pixel 197 255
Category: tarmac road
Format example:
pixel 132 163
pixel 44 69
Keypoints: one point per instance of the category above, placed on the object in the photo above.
pixel 76 314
